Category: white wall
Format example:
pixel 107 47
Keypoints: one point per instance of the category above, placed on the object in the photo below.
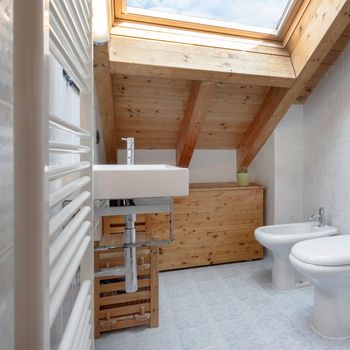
pixel 327 146
pixel 262 171
pixel 279 166
pixel 6 177
pixel 206 165
pixel 289 167
pixel 311 155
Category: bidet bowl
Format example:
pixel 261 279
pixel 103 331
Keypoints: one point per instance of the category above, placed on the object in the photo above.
pixel 280 240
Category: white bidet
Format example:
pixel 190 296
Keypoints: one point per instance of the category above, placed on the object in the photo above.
pixel 280 240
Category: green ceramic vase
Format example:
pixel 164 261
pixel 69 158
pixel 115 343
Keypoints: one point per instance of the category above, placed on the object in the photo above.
pixel 243 179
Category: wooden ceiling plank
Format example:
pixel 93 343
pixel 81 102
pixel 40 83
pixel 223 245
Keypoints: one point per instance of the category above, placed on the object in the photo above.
pixel 317 40
pixel 141 81
pixel 104 94
pixel 200 38
pixel 192 122
pixel 151 58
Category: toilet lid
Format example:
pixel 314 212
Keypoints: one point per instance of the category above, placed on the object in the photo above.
pixel 328 251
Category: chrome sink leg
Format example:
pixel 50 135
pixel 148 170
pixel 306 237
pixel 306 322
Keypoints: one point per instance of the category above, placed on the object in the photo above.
pixel 130 233
pixel 130 255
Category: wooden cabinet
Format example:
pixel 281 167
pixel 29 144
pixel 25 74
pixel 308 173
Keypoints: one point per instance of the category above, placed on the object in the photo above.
pixel 114 308
pixel 215 224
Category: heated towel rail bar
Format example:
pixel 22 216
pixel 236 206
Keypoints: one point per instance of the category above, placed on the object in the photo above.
pixel 70 203
pixel 53 153
pixel 70 200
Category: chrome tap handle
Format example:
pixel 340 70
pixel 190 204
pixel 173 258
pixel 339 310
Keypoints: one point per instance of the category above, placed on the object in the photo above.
pixel 321 213
pixel 320 216
pixel 311 217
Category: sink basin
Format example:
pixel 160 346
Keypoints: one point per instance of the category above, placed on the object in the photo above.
pixel 114 181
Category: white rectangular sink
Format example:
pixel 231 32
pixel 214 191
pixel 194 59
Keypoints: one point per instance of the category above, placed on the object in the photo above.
pixel 114 181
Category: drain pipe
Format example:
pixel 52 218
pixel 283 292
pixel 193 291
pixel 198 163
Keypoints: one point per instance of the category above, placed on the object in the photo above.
pixel 130 232
pixel 130 254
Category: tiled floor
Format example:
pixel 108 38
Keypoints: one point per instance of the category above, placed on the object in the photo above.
pixel 226 307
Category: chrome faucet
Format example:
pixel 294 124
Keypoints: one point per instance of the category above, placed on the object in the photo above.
pixel 320 217
pixel 130 150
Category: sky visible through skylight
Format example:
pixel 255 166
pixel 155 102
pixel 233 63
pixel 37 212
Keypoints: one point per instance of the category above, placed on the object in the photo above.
pixel 258 13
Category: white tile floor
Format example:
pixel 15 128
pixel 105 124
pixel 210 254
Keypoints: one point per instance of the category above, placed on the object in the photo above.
pixel 226 307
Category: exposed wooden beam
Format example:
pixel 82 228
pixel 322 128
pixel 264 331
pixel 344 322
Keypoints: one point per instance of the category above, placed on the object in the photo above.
pixel 192 122
pixel 135 56
pixel 327 63
pixel 324 29
pixel 262 126
pixel 104 94
pixel 327 24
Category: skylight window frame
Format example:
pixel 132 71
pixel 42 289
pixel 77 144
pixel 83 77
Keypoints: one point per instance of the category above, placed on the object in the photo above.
pixel 154 17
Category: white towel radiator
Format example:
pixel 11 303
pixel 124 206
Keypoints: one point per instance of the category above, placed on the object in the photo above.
pixel 52 240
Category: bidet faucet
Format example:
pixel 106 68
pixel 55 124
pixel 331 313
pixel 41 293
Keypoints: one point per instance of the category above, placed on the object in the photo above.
pixel 320 217
pixel 130 150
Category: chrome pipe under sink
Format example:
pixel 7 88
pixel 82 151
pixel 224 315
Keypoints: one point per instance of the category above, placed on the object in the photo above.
pixel 130 256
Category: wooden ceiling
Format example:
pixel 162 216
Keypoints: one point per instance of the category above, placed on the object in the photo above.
pixel 182 89
pixel 151 110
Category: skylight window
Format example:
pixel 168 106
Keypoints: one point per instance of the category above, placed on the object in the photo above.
pixel 256 15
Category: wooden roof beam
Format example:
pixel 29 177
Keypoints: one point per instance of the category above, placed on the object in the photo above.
pixel 104 94
pixel 196 110
pixel 139 56
pixel 327 24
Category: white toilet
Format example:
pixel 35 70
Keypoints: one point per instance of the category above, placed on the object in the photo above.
pixel 326 261
pixel 280 240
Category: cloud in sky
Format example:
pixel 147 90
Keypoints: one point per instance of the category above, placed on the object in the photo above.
pixel 260 13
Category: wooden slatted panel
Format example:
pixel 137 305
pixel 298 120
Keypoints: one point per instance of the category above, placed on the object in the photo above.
pixel 113 229
pixel 123 324
pixel 115 257
pixel 124 310
pixel 118 286
pixel 124 298
pixel 114 309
